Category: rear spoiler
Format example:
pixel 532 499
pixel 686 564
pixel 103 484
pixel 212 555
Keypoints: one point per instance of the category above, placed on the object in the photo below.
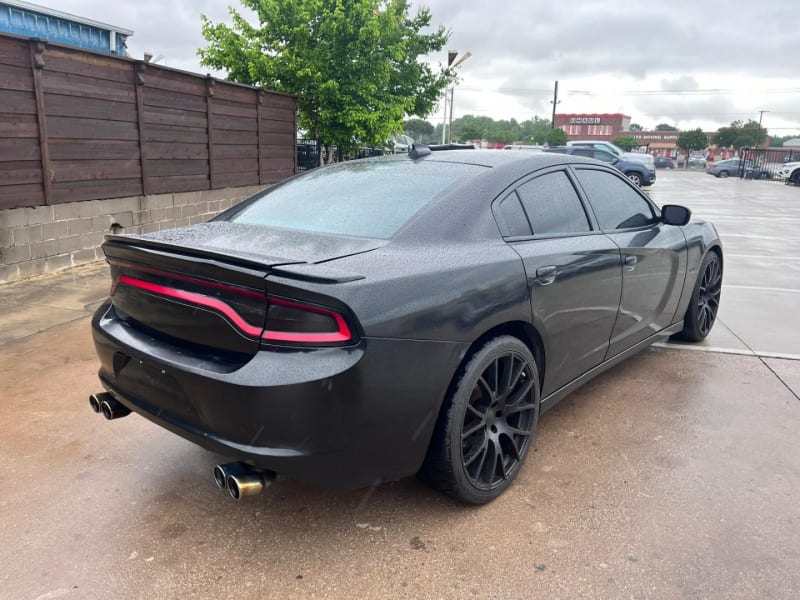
pixel 116 246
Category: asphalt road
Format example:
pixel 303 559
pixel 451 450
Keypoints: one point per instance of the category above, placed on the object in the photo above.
pixel 674 475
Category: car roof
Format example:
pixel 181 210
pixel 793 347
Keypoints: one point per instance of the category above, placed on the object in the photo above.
pixel 495 158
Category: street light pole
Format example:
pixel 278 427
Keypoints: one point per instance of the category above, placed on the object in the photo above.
pixel 450 91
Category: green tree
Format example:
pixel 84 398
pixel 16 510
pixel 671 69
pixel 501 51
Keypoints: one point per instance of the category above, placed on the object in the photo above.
pixel 692 140
pixel 556 137
pixel 626 142
pixel 353 64
pixel 665 127
pixel 472 127
pixel 634 127
pixel 534 130
pixel 419 129
pixel 778 140
pixel 739 135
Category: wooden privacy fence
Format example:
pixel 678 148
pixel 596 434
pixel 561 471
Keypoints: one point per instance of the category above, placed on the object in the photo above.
pixel 75 125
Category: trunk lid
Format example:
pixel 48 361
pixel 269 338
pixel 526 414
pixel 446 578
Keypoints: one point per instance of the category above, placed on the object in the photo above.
pixel 206 285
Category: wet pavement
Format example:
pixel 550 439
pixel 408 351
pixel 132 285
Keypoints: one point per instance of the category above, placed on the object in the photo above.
pixel 673 475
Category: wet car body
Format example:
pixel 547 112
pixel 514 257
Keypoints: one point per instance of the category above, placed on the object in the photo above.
pixel 185 338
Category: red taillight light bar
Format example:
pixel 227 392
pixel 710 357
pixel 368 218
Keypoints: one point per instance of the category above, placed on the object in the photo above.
pixel 336 329
pixel 342 333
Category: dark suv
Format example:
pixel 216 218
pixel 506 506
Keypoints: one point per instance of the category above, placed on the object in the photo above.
pixel 638 173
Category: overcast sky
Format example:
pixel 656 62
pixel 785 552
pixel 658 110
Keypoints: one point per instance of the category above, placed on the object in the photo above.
pixel 692 63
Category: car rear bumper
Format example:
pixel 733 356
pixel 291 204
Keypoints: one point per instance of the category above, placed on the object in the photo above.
pixel 339 418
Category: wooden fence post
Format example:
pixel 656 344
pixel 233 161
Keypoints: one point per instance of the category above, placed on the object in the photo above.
pixel 259 107
pixel 209 116
pixel 37 64
pixel 140 68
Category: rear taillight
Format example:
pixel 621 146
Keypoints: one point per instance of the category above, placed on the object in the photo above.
pixel 289 321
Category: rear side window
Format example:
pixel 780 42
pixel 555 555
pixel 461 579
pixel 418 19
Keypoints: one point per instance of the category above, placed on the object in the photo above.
pixel 511 218
pixel 616 204
pixel 370 199
pixel 553 205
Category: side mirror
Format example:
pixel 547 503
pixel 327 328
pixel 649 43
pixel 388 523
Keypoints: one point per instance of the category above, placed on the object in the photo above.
pixel 672 214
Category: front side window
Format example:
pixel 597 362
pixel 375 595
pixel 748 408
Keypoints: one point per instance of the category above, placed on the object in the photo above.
pixel 552 205
pixel 616 204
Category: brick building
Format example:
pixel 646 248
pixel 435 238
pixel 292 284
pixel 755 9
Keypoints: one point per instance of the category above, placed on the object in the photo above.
pixel 593 126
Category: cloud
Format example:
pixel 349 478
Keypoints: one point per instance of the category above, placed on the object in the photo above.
pixel 617 45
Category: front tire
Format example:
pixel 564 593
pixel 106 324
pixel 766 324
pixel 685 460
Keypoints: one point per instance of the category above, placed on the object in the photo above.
pixel 704 304
pixel 487 424
pixel 723 174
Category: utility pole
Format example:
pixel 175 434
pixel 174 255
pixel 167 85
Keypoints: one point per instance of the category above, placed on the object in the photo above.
pixel 554 101
pixel 758 134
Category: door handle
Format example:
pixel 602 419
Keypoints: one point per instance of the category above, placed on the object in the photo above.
pixel 630 262
pixel 546 275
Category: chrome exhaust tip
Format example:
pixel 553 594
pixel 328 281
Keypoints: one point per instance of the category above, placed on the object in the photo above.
pixel 249 483
pixel 113 409
pixel 222 472
pixel 95 400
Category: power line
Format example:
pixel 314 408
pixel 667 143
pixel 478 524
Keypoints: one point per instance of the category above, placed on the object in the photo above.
pixel 699 92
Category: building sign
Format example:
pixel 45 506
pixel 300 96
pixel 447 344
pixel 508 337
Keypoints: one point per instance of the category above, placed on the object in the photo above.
pixel 584 120
pixel 656 137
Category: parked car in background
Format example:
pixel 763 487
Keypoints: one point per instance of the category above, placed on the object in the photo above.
pixel 399 144
pixel 790 172
pixel 637 172
pixel 617 151
pixel 664 162
pixel 369 320
pixel 732 167
pixel 527 147
pixel 724 168
pixel 697 160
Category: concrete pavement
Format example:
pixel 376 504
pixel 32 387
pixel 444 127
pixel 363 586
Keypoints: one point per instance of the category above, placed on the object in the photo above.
pixel 674 475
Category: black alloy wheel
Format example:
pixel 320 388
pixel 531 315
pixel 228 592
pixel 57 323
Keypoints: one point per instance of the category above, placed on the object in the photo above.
pixel 484 434
pixel 722 174
pixel 704 304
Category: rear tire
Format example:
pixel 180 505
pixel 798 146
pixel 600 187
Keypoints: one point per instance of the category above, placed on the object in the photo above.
pixel 796 177
pixel 701 313
pixel 635 178
pixel 486 425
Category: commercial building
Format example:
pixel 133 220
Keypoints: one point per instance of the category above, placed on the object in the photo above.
pixel 607 126
pixel 593 126
pixel 33 21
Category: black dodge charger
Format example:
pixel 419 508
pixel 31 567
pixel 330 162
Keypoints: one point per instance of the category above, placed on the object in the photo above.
pixel 411 314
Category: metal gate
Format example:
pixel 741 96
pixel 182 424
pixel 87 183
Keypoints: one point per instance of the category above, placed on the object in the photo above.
pixel 765 163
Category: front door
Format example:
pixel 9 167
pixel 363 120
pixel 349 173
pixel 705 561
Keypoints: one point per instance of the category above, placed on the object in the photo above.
pixel 574 273
pixel 653 256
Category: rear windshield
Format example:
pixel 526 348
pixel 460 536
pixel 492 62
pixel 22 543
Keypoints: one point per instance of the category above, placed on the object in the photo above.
pixel 366 199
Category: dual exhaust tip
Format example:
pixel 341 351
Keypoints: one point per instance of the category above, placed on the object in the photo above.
pixel 105 404
pixel 242 480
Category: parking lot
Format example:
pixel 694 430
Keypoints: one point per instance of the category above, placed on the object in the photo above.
pixel 673 475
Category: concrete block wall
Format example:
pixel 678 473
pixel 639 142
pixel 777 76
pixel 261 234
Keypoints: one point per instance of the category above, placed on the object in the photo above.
pixel 45 239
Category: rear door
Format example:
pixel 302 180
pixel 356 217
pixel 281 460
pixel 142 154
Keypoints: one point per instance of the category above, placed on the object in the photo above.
pixel 653 255
pixel 574 272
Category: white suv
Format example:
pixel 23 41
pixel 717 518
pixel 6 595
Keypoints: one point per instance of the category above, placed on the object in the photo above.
pixel 640 157
pixel 790 172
